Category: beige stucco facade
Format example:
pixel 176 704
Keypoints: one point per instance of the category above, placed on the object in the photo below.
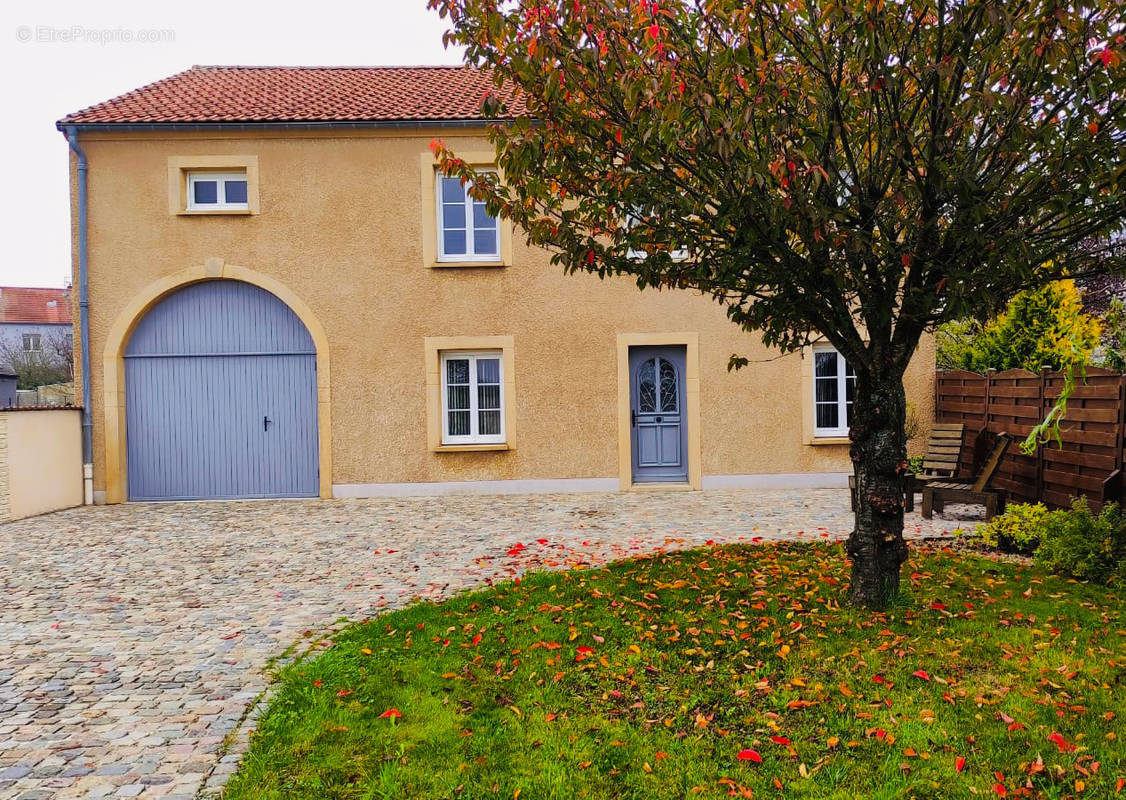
pixel 40 461
pixel 341 230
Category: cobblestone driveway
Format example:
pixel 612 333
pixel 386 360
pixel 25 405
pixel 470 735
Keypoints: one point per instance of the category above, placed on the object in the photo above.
pixel 133 638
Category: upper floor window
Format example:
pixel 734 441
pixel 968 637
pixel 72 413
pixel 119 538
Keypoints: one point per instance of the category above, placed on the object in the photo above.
pixel 217 191
pixel 634 219
pixel 834 386
pixel 32 343
pixel 472 398
pixel 466 231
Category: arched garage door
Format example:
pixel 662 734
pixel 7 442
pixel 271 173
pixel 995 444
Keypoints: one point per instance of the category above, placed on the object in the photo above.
pixel 221 397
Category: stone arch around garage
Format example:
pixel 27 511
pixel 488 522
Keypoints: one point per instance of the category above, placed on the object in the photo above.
pixel 113 365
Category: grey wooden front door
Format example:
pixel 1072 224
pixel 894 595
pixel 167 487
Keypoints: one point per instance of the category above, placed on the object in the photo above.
pixel 221 397
pixel 658 433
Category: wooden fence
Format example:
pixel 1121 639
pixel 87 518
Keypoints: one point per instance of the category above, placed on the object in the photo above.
pixel 1090 461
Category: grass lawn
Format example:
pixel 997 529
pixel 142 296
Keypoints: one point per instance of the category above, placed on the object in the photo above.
pixel 714 673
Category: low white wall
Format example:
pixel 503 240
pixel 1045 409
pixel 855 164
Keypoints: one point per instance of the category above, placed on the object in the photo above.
pixel 40 461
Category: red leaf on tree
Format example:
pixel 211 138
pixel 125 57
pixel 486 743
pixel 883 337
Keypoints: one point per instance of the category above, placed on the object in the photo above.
pixel 749 755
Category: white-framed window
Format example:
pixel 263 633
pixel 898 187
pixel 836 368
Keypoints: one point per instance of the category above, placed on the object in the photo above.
pixel 632 219
pixel 32 343
pixel 834 386
pixel 466 231
pixel 472 397
pixel 217 191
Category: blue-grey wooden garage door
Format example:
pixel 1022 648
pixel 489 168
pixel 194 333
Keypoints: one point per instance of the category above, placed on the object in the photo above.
pixel 221 397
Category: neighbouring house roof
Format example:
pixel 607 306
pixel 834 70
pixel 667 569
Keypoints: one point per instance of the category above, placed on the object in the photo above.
pixel 216 95
pixel 34 306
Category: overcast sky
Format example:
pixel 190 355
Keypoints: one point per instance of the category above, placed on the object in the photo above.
pixel 61 56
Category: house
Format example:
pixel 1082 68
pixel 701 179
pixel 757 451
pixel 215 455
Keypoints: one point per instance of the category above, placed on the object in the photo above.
pixel 35 325
pixel 286 299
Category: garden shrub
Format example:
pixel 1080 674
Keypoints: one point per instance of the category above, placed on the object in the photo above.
pixel 1019 529
pixel 1084 545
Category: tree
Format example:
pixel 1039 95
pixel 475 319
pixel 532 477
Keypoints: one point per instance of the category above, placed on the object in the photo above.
pixel 53 363
pixel 1039 327
pixel 861 170
pixel 1114 336
pixel 954 342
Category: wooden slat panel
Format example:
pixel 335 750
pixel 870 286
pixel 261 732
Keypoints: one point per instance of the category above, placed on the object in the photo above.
pixel 1029 411
pixel 1014 402
pixel 1085 414
pixel 1032 392
pixel 1073 480
pixel 1095 461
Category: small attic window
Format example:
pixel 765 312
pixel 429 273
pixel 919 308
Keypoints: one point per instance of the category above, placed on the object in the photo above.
pixel 215 184
pixel 217 191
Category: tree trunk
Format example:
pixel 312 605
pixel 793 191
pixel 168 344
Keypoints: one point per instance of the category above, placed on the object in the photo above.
pixel 879 457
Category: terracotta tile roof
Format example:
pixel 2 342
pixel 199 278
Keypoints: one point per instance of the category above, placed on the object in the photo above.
pixel 38 306
pixel 301 94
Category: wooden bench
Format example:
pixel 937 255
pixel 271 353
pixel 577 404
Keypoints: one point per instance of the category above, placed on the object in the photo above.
pixel 944 449
pixel 936 493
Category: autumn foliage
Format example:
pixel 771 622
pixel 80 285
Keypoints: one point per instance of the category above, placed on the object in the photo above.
pixel 858 170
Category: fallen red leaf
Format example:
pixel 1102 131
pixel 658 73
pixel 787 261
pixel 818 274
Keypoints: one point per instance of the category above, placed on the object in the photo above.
pixel 959 764
pixel 1060 742
pixel 749 755
pixel 779 740
pixel 392 713
pixel 921 674
pixel 1000 789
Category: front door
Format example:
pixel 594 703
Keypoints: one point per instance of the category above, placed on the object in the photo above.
pixel 657 429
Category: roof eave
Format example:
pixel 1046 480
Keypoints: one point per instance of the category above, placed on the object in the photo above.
pixel 399 124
